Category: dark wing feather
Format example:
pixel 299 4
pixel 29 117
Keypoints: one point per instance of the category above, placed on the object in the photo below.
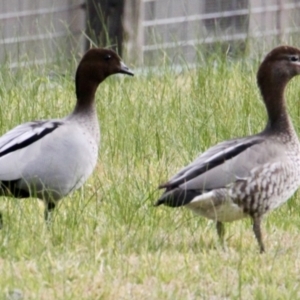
pixel 26 134
pixel 212 158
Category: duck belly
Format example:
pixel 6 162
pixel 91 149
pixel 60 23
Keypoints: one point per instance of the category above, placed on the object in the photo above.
pixel 215 208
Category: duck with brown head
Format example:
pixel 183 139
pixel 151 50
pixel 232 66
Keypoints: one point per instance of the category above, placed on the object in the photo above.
pixel 277 69
pixel 95 66
pixel 48 159
pixel 250 176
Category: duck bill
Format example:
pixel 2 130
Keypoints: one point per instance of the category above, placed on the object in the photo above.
pixel 125 70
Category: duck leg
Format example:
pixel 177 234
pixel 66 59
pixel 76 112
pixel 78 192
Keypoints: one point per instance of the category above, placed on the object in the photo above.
pixel 220 231
pixel 257 233
pixel 49 207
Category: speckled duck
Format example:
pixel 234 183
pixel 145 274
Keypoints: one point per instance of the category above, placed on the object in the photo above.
pixel 250 176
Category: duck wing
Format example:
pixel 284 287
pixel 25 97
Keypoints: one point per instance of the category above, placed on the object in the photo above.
pixel 18 139
pixel 219 166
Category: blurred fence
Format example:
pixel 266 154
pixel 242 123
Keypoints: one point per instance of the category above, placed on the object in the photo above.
pixel 176 28
pixel 36 31
pixel 41 30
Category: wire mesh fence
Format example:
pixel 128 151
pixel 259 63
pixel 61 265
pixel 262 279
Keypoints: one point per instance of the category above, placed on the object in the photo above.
pixel 177 28
pixel 36 31
pixel 174 30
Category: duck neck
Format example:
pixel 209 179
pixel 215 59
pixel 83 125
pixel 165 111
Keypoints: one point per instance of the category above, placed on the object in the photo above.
pixel 278 119
pixel 85 93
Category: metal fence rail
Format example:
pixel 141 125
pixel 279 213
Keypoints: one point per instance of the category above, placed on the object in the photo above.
pixel 35 32
pixel 178 27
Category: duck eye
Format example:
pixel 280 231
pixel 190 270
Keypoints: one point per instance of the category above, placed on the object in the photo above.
pixel 107 57
pixel 294 58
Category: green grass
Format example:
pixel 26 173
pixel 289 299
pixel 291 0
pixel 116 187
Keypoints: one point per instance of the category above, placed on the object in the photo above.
pixel 107 240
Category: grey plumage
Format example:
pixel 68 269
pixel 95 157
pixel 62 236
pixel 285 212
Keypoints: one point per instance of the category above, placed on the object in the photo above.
pixel 49 159
pixel 246 176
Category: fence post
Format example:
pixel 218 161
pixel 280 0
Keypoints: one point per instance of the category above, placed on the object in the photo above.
pixel 133 30
pixel 104 23
pixel 280 21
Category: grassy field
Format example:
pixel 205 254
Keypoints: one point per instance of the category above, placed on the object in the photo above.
pixel 107 240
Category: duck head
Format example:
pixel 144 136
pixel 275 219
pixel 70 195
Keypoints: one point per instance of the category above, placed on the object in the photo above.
pixel 95 66
pixel 98 63
pixel 280 65
pixel 276 70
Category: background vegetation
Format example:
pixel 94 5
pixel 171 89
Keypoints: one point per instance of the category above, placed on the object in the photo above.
pixel 107 240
